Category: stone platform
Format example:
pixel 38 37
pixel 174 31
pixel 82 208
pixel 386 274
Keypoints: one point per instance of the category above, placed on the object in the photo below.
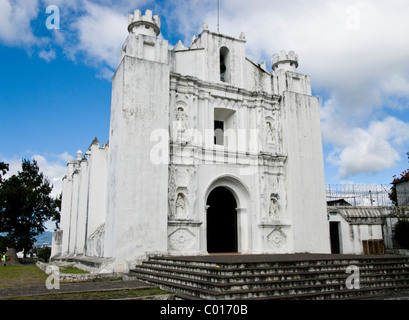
pixel 235 258
pixel 282 276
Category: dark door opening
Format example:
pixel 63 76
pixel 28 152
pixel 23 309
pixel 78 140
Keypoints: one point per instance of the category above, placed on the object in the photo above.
pixel 221 221
pixel 334 236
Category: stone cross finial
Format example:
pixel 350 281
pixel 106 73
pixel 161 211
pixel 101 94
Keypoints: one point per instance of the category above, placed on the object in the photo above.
pixel 205 27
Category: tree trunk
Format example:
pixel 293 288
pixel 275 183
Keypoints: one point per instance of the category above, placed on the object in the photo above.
pixel 13 257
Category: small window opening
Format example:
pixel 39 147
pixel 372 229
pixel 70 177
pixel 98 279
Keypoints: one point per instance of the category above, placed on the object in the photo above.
pixel 219 132
pixel 222 69
pixel 224 63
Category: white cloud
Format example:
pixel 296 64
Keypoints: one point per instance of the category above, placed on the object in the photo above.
pixel 105 73
pixel 396 84
pixel 368 150
pixel 65 157
pixel 15 22
pixel 101 33
pixel 355 51
pixel 52 166
pixel 14 166
pixel 185 18
pixel 335 54
pixel 54 170
pixel 47 55
pixel 357 59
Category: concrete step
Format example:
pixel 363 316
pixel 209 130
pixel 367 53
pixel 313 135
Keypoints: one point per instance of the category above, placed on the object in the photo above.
pixel 223 275
pixel 353 294
pixel 223 281
pixel 317 279
pixel 208 283
pixel 274 268
pixel 318 264
pixel 324 291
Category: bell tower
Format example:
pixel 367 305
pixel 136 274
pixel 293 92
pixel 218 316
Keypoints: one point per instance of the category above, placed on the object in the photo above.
pixel 142 41
pixel 303 146
pixel 136 220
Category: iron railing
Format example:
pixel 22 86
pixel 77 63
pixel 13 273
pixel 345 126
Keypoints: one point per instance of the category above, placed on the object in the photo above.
pixel 359 194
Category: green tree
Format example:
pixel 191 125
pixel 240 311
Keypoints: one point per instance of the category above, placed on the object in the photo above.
pixel 4 167
pixel 25 205
pixel 57 215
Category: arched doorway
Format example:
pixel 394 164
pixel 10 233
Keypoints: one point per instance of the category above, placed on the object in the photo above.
pixel 221 221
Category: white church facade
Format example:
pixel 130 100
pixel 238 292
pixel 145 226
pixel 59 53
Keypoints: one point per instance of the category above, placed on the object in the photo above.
pixel 208 152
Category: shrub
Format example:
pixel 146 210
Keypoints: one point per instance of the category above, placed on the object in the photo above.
pixel 43 254
pixel 402 233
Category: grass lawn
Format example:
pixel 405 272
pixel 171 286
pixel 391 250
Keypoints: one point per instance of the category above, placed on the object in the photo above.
pixel 31 275
pixel 23 275
pixel 71 270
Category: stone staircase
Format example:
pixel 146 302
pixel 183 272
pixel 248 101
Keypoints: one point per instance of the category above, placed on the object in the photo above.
pixel 274 277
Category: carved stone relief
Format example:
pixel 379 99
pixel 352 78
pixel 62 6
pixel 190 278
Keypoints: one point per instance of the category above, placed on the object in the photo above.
pixel 192 187
pixel 181 191
pixel 172 187
pixel 181 124
pixel 273 197
pixel 277 238
pixel 274 209
pixel 181 207
pixel 183 111
pixel 181 240
pixel 273 138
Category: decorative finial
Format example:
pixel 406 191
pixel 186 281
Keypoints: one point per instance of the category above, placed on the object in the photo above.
pixel 205 27
pixel 180 46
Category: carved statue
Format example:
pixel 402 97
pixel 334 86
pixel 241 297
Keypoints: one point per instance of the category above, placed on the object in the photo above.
pixel 181 120
pixel 181 126
pixel 180 207
pixel 274 207
pixel 271 134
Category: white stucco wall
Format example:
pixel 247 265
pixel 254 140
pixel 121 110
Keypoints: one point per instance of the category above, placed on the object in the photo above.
pixel 137 195
pixel 97 197
pixel 83 192
pixel 272 148
pixel 402 193
pixel 305 173
pixel 357 224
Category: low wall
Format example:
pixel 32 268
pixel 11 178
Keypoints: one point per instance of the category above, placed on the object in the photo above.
pixel 78 277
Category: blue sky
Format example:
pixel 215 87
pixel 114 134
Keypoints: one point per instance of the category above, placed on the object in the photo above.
pixel 55 85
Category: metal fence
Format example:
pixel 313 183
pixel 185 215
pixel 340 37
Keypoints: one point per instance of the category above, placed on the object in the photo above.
pixel 358 194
